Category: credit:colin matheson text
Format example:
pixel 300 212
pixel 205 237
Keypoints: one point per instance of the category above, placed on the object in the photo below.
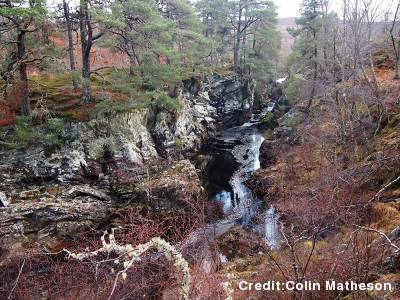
pixel 330 285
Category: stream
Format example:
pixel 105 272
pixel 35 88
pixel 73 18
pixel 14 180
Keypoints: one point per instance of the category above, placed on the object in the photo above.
pixel 237 157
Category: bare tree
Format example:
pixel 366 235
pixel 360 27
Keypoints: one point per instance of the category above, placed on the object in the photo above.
pixel 395 38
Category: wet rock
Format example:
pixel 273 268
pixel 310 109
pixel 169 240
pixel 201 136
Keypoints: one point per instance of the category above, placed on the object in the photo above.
pixel 232 98
pixel 267 153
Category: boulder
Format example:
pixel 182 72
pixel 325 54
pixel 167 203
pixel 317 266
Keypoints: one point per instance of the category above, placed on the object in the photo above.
pixel 232 98
pixel 30 194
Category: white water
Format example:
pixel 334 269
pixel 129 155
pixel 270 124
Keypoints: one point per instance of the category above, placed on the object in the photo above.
pixel 240 203
pixel 247 155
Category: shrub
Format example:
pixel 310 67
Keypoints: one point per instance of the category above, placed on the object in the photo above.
pixel 23 133
pixel 293 86
pixel 294 120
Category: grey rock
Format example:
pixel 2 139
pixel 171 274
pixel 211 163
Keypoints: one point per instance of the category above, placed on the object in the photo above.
pixel 42 222
pixel 30 194
pixel 4 200
pixel 82 190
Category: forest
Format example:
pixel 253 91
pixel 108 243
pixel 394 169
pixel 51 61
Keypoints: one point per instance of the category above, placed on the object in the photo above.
pixel 199 149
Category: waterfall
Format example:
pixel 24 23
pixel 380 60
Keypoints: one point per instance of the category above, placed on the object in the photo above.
pixel 247 154
pixel 239 203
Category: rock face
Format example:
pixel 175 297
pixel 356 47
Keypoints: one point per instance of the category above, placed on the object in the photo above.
pixel 113 161
pixel 234 99
pixel 49 221
pixel 142 135
pixel 53 213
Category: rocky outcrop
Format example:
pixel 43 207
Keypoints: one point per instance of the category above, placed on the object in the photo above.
pixel 4 200
pixel 50 215
pixel 130 158
pixel 233 99
pixel 48 222
pixel 142 135
pixel 162 186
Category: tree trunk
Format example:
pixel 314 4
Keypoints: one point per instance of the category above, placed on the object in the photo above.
pixel 395 45
pixel 236 50
pixel 86 44
pixel 23 74
pixel 243 56
pixel 315 70
pixel 70 43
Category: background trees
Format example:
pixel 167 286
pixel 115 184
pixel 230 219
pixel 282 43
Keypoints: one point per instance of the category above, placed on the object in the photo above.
pixel 164 41
pixel 19 20
pixel 244 33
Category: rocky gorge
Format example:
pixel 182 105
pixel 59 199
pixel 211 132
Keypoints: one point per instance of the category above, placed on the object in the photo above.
pixel 48 196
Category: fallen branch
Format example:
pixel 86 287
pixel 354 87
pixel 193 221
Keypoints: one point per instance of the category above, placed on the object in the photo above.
pixel 377 195
pixel 16 281
pixel 382 234
pixel 132 255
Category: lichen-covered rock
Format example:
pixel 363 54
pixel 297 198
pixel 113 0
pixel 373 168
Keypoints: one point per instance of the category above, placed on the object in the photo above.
pixel 76 191
pixel 42 222
pixel 233 98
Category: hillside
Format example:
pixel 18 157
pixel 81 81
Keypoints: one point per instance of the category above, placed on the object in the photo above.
pixel 287 39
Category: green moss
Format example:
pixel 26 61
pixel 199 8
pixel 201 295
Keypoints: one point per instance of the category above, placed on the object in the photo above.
pixel 180 142
pixel 267 118
pixel 52 131
pixel 23 133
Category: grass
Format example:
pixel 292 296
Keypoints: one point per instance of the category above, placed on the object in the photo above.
pixel 112 91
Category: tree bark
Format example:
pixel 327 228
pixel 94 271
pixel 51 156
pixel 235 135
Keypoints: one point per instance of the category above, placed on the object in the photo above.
pixel 313 88
pixel 236 51
pixel 86 44
pixel 70 43
pixel 23 74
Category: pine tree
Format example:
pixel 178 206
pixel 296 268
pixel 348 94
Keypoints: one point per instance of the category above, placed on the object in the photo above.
pixel 308 40
pixel 214 15
pixel 261 53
